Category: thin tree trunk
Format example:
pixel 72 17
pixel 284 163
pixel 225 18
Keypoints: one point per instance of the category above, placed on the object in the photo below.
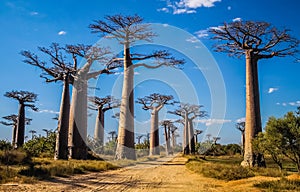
pixel 154 134
pixel 99 127
pixel 21 125
pixel 191 137
pixel 253 118
pixel 61 146
pixel 14 135
pixel 166 138
pixel 125 142
pixel 186 148
pixel 170 149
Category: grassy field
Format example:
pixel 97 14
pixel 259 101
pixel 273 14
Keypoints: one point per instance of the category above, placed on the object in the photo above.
pixel 17 166
pixel 228 168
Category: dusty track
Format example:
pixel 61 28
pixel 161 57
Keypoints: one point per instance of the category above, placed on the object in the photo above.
pixel 166 174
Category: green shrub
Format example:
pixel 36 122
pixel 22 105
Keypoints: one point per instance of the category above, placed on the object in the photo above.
pixel 5 145
pixel 280 185
pixel 14 157
pixel 46 168
pixel 41 146
pixel 219 171
pixel 7 174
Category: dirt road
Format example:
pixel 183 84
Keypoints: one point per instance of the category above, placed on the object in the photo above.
pixel 166 174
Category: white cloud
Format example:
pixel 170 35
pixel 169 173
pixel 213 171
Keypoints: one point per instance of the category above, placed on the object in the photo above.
pixel 186 6
pixel 164 9
pixel 62 33
pixel 198 3
pixel 238 19
pixel 202 33
pixel 122 73
pixel 192 40
pixel 296 103
pixel 243 119
pixel 272 89
pixel 34 13
pixel 165 25
pixel 208 122
pixel 229 8
pixel 292 103
pixel 48 111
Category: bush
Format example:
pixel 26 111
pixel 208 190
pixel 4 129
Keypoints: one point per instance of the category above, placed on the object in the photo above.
pixel 49 168
pixel 219 171
pixel 280 185
pixel 14 157
pixel 41 146
pixel 5 145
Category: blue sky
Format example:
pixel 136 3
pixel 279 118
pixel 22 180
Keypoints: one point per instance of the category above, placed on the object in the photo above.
pixel 28 24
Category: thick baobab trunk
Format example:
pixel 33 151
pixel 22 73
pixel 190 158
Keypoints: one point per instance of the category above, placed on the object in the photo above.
pixel 21 126
pixel 61 146
pixel 185 143
pixel 78 121
pixel 253 118
pixel 191 136
pixel 99 127
pixel 154 134
pixel 125 142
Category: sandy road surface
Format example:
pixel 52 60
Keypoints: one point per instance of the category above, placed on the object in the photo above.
pixel 165 174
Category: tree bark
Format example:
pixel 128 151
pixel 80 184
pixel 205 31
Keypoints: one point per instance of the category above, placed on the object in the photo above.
pixel 253 117
pixel 61 146
pixel 21 126
pixel 154 134
pixel 78 120
pixel 185 143
pixel 125 142
pixel 14 135
pixel 99 127
pixel 191 136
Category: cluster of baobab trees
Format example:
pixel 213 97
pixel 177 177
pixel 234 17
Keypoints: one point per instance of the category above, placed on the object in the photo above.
pixel 254 40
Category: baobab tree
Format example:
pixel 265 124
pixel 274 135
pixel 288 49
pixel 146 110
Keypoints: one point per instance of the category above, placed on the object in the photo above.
pixel 241 127
pixel 59 70
pixel 197 132
pixel 12 120
pixel 127 30
pixel 101 105
pixel 155 102
pixel 68 72
pixel 167 124
pixel 189 113
pixel 256 41
pixel 113 135
pixel 32 133
pixel 79 105
pixel 25 99
pixel 139 137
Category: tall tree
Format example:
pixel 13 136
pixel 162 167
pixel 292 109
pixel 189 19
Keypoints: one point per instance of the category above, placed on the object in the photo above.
pixel 128 30
pixel 78 112
pixel 155 102
pixel 112 135
pixel 168 125
pixel 197 132
pixel 59 70
pixel 12 120
pixel 25 99
pixel 68 72
pixel 241 127
pixel 256 41
pixel 189 113
pixel 32 133
pixel 101 105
